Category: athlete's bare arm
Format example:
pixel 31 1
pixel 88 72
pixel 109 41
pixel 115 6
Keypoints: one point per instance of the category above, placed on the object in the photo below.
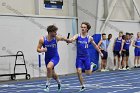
pixel 74 38
pixel 94 44
pixel 99 44
pixel 135 45
pixel 61 38
pixel 40 44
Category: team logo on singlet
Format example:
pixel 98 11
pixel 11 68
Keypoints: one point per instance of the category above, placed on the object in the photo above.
pixel 118 41
pixel 138 41
pixel 82 42
pixel 51 46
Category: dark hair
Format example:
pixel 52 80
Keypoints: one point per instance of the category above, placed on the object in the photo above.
pixel 109 34
pixel 87 24
pixel 131 34
pixel 103 34
pixel 51 28
pixel 128 33
pixel 123 37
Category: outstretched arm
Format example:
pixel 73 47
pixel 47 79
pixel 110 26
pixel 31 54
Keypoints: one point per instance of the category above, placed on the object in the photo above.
pixel 74 38
pixel 61 38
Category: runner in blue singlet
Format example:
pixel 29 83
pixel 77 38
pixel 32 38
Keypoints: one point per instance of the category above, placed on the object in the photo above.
pixel 136 44
pixel 125 51
pixel 117 48
pixel 82 41
pixel 48 44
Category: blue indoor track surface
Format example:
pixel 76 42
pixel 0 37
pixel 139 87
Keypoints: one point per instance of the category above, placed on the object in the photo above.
pixel 99 82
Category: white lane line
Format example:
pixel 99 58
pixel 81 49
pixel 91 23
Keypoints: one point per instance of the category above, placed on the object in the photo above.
pixel 94 77
pixel 109 74
pixel 103 79
pixel 120 90
pixel 40 85
pixel 137 92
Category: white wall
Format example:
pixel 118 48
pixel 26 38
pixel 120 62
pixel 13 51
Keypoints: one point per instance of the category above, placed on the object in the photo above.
pixel 36 7
pixel 24 6
pixel 123 10
pixel 22 33
pixel 87 11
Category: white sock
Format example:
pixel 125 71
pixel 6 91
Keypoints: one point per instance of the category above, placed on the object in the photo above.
pixel 82 85
pixel 48 81
pixel 91 66
pixel 136 65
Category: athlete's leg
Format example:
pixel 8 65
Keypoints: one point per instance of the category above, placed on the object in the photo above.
pixel 115 58
pixel 106 61
pixel 79 65
pixel 138 59
pixel 123 62
pixel 119 64
pixel 102 64
pixel 49 67
pixel 135 61
pixel 55 77
pixel 127 57
pixel 49 72
pixel 80 77
pixel 105 65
